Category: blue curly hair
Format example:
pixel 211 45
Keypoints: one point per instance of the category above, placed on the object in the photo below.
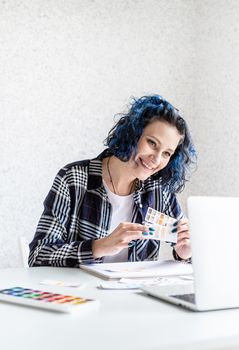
pixel 123 138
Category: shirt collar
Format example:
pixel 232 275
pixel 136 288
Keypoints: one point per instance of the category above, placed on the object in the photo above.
pixel 95 174
pixel 95 170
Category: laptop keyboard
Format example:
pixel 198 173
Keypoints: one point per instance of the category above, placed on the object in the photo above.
pixel 186 297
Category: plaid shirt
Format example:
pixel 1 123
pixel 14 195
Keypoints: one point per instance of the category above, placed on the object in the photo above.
pixel 77 211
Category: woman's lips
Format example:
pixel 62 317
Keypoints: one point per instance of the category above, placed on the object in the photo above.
pixel 146 165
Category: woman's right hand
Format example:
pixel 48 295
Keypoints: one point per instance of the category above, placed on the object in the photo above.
pixel 118 239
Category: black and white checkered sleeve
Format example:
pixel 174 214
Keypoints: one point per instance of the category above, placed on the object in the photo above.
pixel 52 244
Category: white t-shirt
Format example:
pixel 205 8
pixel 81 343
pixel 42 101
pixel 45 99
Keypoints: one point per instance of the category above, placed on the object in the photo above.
pixel 122 211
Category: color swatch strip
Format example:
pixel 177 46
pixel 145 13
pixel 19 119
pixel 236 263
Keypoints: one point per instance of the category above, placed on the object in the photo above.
pixel 48 297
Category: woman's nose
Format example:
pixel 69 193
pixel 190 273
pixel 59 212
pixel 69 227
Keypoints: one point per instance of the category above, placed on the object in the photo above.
pixel 158 157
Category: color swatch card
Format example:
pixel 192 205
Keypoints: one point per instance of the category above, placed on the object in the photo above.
pixel 160 226
pixel 46 300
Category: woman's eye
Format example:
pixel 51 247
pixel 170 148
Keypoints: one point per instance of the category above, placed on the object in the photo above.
pixel 152 143
pixel 167 154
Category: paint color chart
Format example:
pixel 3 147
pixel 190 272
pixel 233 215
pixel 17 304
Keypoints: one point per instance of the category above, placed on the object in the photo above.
pixel 160 226
pixel 46 300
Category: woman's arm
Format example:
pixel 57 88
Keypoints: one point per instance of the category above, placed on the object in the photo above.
pixel 182 249
pixel 52 244
pixel 183 246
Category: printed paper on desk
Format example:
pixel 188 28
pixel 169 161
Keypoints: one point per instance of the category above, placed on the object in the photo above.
pixel 62 283
pixel 160 226
pixel 137 283
pixel 139 269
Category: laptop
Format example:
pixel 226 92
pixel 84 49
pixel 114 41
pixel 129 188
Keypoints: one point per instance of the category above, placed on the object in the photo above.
pixel 214 232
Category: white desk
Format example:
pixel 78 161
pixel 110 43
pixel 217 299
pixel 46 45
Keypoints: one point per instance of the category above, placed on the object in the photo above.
pixel 125 320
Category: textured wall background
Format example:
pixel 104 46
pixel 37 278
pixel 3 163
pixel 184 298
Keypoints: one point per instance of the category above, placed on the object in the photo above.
pixel 66 67
pixel 216 98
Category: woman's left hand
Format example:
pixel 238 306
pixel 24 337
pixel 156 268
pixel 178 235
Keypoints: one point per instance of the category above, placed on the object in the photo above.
pixel 183 246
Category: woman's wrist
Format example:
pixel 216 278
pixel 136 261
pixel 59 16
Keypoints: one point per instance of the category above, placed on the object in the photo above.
pixel 97 248
pixel 182 255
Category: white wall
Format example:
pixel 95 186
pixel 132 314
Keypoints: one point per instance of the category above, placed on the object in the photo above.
pixel 216 98
pixel 66 67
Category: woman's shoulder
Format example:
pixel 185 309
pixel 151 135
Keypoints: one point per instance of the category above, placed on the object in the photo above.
pixel 80 173
pixel 159 186
pixel 153 183
pixel 77 166
pixel 86 165
pixel 74 172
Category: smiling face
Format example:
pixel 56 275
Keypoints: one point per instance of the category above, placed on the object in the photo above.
pixel 156 145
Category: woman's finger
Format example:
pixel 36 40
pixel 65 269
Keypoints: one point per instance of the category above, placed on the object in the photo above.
pixel 183 240
pixel 129 226
pixel 183 235
pixel 131 235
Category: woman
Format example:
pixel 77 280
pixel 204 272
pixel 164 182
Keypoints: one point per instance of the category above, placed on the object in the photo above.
pixel 95 209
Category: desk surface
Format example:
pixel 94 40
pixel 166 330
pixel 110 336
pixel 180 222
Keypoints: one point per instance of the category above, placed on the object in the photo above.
pixel 125 320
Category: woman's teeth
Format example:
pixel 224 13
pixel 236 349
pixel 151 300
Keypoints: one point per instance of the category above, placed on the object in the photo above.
pixel 146 165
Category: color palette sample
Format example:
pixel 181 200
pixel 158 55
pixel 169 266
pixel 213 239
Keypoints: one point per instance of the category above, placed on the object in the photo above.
pixel 42 299
pixel 160 226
